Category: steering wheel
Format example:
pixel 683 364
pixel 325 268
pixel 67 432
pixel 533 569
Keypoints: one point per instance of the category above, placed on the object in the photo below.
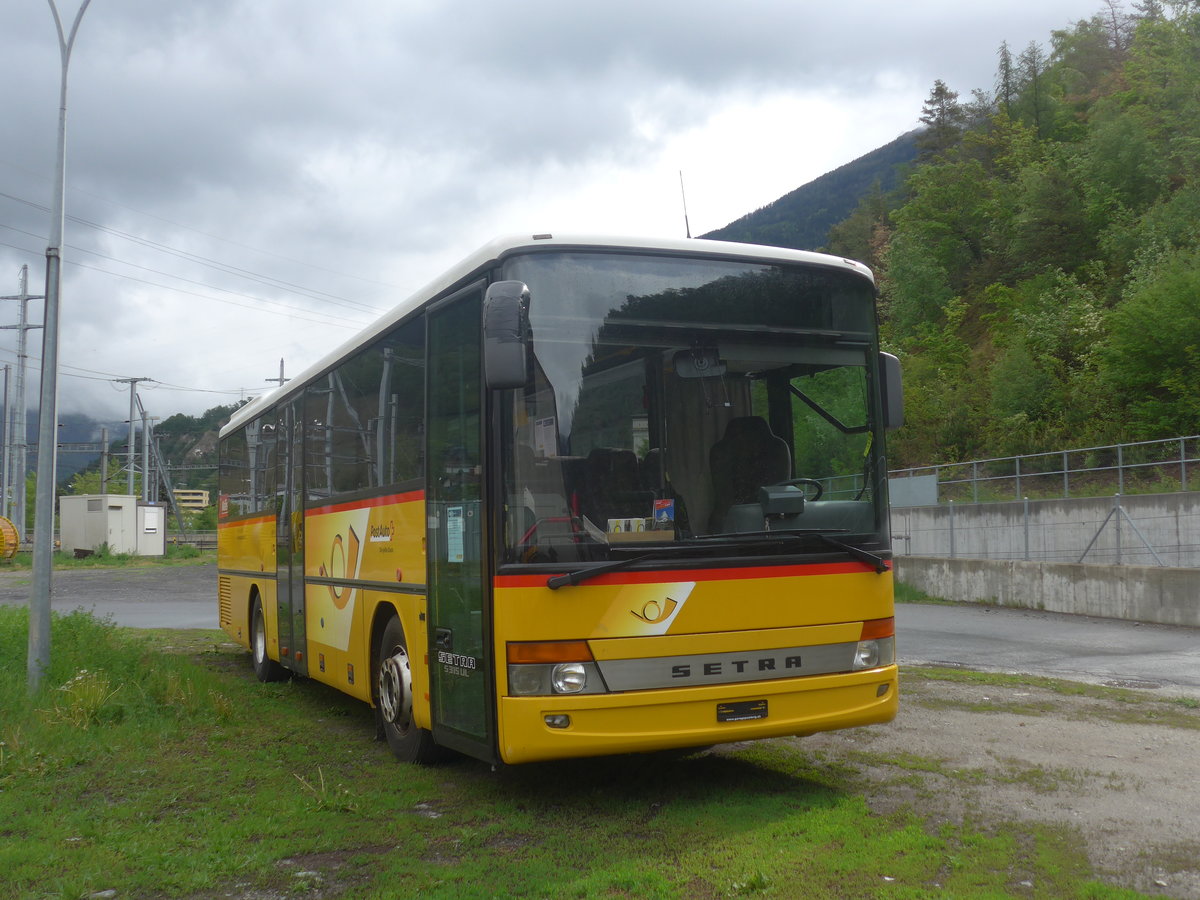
pixel 806 482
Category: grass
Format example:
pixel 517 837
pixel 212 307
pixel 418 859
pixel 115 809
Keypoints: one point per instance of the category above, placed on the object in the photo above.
pixel 152 764
pixel 906 593
pixel 1119 704
pixel 176 555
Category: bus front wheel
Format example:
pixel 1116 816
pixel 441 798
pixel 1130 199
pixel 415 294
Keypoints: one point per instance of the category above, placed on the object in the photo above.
pixel 394 699
pixel 264 667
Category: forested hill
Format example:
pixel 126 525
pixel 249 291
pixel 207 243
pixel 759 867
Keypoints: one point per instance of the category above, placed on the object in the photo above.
pixel 1040 266
pixel 802 218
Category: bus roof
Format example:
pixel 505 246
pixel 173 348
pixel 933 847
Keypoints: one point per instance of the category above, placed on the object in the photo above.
pixel 495 251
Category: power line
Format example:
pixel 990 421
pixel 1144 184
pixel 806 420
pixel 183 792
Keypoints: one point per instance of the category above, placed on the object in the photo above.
pixel 216 237
pixel 227 268
pixel 291 311
pixel 93 375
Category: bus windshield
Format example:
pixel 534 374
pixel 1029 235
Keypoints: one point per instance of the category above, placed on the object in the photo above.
pixel 691 405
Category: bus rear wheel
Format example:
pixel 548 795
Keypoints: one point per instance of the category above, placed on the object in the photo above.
pixel 264 667
pixel 394 699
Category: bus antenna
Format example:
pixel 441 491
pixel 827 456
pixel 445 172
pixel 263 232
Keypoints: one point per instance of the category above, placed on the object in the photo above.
pixel 686 226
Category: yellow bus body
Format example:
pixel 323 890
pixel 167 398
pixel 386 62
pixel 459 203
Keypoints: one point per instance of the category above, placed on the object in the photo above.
pixel 787 606
pixel 355 552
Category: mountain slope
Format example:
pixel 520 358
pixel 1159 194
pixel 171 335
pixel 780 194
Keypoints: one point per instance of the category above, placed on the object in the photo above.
pixel 802 218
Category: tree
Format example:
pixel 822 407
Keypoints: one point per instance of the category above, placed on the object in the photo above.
pixel 1149 10
pixel 915 288
pixel 1006 79
pixel 1049 227
pixel 1120 26
pixel 1152 359
pixel 943 118
pixel 863 234
pixel 1035 100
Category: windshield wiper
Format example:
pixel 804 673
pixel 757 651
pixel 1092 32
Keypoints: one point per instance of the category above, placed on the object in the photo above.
pixel 874 560
pixel 759 538
pixel 554 582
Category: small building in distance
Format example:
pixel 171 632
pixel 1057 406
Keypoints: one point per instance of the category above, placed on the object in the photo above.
pixel 191 498
pixel 119 521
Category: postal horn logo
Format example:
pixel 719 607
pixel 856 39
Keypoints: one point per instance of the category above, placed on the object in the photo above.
pixel 654 612
pixel 343 563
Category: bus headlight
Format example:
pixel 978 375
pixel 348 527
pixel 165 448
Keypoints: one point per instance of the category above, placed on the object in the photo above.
pixel 546 668
pixel 569 678
pixel 527 680
pixel 874 653
pixel 546 680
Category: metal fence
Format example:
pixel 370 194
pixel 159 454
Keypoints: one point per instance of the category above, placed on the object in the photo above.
pixel 1125 504
pixel 1146 467
pixel 202 540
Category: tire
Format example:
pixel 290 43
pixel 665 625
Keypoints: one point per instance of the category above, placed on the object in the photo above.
pixel 394 699
pixel 264 667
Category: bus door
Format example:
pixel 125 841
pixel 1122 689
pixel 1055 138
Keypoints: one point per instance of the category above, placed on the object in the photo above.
pixel 459 622
pixel 289 538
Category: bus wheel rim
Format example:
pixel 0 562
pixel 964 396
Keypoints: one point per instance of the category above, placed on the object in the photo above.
pixel 260 640
pixel 395 688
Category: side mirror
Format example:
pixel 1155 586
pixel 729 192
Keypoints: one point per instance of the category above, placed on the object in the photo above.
pixel 505 330
pixel 893 391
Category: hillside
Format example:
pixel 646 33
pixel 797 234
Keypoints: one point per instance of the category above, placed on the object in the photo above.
pixel 1039 264
pixel 802 219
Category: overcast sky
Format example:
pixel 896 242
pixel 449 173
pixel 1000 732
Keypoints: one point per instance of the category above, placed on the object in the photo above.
pixel 250 180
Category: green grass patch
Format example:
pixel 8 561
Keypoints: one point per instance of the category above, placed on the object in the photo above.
pixel 103 557
pixel 153 764
pixel 1114 704
pixel 906 593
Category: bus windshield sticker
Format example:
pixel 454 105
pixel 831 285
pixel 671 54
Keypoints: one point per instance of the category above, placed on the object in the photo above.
pixel 454 534
pixel 545 436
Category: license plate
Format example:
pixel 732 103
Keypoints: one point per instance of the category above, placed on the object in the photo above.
pixel 742 711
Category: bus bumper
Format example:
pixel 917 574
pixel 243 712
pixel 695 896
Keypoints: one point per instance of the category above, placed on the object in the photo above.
pixel 642 721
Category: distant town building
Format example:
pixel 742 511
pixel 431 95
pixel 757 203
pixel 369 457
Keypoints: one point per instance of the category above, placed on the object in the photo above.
pixel 191 498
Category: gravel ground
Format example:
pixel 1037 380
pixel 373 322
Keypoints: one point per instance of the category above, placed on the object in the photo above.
pixel 1122 768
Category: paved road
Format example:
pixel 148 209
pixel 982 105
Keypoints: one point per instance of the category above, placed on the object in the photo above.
pixel 1078 648
pixel 1008 640
pixel 153 597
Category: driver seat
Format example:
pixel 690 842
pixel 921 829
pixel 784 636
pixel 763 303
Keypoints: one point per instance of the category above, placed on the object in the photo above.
pixel 749 456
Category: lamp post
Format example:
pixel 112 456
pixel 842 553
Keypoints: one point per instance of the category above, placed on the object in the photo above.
pixel 47 458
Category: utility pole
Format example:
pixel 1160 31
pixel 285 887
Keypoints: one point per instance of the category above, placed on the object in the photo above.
pixel 149 476
pixel 6 465
pixel 104 459
pixel 20 428
pixel 145 457
pixel 129 450
pixel 38 661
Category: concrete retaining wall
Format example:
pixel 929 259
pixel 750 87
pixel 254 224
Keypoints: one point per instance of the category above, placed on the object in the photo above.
pixel 1166 596
pixel 1057 530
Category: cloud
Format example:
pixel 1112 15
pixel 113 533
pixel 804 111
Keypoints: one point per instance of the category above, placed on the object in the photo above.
pixel 250 179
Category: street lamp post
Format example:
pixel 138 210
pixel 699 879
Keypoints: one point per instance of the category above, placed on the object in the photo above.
pixel 47 459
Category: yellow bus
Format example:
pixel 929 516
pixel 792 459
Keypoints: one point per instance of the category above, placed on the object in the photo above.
pixel 580 496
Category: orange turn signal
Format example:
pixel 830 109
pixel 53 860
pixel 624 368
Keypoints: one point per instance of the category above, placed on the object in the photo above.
pixel 874 629
pixel 549 652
